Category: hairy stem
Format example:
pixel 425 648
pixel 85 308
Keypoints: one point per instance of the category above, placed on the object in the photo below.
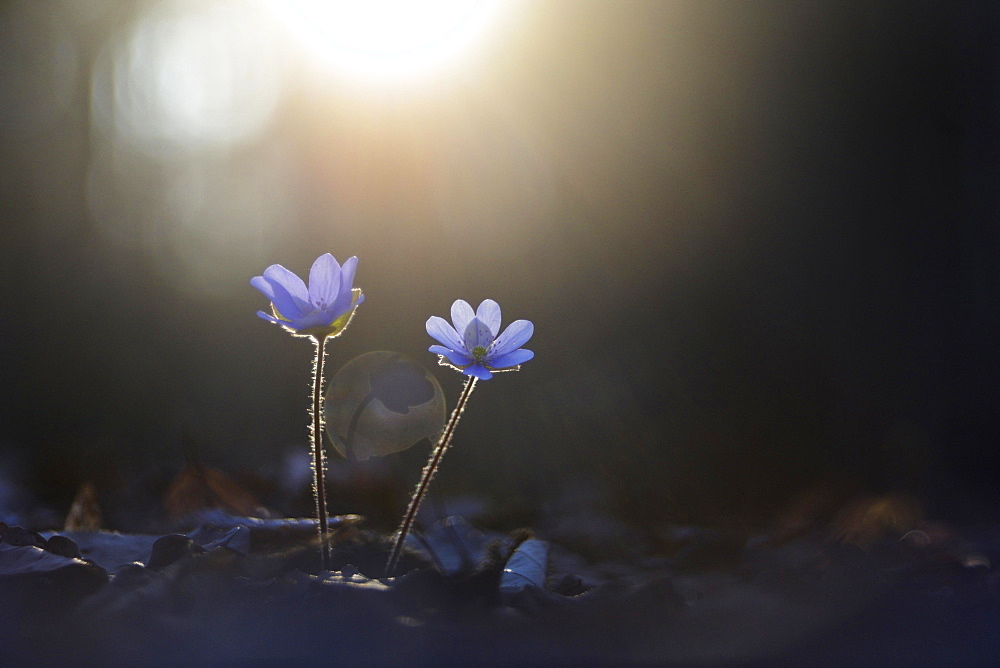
pixel 319 458
pixel 425 479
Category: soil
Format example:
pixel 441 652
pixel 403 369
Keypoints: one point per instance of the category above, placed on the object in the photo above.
pixel 239 590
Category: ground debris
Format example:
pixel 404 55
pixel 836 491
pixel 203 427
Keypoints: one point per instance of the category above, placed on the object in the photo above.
pixel 232 590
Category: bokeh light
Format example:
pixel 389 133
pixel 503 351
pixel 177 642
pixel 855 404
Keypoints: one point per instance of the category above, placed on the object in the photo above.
pixel 187 76
pixel 387 39
pixel 180 99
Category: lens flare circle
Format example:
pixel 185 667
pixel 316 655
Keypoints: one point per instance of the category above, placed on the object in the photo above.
pixel 380 403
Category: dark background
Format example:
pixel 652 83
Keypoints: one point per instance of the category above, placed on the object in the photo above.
pixel 758 242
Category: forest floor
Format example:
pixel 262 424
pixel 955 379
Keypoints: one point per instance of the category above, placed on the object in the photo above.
pixel 229 589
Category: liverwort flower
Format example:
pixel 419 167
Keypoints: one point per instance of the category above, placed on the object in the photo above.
pixel 319 312
pixel 324 309
pixel 474 344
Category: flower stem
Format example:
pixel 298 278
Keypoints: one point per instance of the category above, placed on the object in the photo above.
pixel 428 475
pixel 319 458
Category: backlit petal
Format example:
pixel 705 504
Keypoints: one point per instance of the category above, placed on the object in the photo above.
pixel 314 319
pixel 440 330
pixel 515 336
pixel 352 300
pixel 287 305
pixel 347 274
pixel 461 314
pixel 477 333
pixel 271 318
pixel 262 284
pixel 479 371
pixel 455 357
pixel 345 298
pixel 324 280
pixel 489 313
pixel 514 358
pixel 343 302
pixel 293 284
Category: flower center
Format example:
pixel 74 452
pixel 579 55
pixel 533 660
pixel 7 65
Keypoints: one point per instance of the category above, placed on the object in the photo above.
pixel 478 353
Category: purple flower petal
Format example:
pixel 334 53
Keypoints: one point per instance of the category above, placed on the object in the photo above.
pixel 441 331
pixel 287 305
pixel 515 336
pixel 514 358
pixel 479 371
pixel 477 334
pixel 271 318
pixel 489 313
pixel 455 357
pixel 261 284
pixel 293 285
pixel 345 298
pixel 347 275
pixel 342 304
pixel 324 281
pixel 314 319
pixel 461 314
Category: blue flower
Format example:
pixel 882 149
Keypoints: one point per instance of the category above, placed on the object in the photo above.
pixel 323 309
pixel 474 345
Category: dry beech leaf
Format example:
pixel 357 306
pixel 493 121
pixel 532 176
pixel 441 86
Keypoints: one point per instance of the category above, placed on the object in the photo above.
pixel 85 512
pixel 197 488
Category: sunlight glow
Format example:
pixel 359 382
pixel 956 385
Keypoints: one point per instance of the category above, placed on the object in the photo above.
pixel 380 39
